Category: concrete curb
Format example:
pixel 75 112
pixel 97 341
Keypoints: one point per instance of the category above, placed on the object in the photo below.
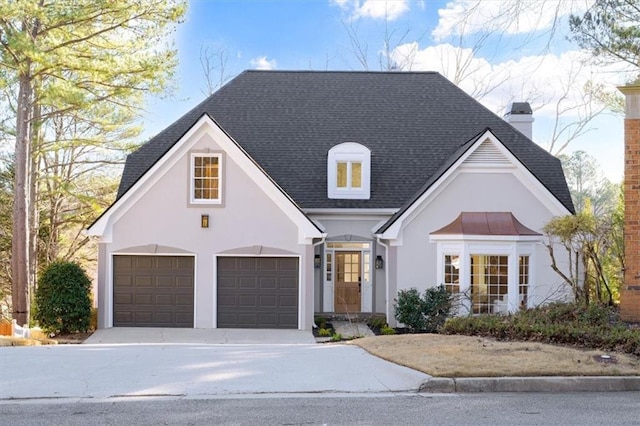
pixel 531 384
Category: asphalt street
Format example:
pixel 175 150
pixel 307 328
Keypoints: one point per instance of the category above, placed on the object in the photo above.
pixel 584 409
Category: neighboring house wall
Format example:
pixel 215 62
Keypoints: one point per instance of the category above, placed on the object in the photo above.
pixel 630 291
pixel 247 218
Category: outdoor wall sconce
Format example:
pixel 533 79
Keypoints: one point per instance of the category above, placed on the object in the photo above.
pixel 204 221
pixel 379 262
pixel 316 261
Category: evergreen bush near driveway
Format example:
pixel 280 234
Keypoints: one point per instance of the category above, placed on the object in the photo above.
pixel 63 299
pixel 592 326
pixel 423 313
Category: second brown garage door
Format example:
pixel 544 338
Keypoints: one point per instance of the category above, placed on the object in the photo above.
pixel 257 292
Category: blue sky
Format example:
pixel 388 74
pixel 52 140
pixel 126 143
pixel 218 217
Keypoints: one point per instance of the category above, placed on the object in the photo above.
pixel 499 59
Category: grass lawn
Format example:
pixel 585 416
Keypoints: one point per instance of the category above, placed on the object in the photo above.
pixel 471 356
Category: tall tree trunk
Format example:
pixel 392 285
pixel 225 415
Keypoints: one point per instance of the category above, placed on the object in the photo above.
pixel 34 195
pixel 20 238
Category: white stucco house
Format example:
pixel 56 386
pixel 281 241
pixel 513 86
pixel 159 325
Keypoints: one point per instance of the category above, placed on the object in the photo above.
pixel 290 193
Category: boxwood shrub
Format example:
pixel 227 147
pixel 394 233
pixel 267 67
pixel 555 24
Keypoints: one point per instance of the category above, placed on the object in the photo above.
pixel 63 298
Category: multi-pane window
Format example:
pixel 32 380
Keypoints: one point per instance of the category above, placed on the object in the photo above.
pixel 205 180
pixel 523 280
pixel 329 264
pixel 489 282
pixel 348 267
pixel 349 175
pixel 366 263
pixel 452 273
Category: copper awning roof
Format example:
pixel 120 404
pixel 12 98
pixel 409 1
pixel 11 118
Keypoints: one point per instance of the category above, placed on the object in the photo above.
pixel 485 223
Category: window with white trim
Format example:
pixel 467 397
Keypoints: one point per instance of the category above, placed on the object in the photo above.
pixel 349 171
pixel 523 282
pixel 206 178
pixel 451 276
pixel 489 283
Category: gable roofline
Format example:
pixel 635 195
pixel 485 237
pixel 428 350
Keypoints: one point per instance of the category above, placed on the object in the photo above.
pixel 432 180
pixel 307 229
pixel 450 166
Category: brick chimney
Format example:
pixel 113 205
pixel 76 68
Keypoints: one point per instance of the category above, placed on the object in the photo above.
pixel 520 116
pixel 630 291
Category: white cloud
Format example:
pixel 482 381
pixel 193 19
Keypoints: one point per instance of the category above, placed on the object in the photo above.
pixel 506 16
pixel 541 80
pixel 262 63
pixel 552 84
pixel 374 9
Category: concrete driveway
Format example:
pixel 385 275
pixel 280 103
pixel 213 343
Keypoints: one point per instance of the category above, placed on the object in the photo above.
pixel 107 370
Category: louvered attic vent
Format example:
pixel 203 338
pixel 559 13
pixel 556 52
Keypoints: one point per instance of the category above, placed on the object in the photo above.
pixel 487 154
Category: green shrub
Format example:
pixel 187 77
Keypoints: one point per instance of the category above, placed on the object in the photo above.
pixel 592 326
pixel 409 307
pixel 336 337
pixel 376 322
pixel 426 313
pixel 63 298
pixel 324 332
pixel 320 321
pixel 386 330
pixel 437 306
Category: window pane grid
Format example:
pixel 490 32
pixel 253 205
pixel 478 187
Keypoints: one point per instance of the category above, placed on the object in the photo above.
pixel 489 281
pixel 452 273
pixel 523 282
pixel 206 178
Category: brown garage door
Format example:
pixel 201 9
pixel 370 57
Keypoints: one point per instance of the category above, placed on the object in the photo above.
pixel 257 292
pixel 153 291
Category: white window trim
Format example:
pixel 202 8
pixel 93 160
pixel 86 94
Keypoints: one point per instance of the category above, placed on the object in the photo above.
pixel 192 199
pixel 349 152
pixel 510 248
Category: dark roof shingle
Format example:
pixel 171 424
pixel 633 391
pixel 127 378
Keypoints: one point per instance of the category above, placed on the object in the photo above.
pixel 412 122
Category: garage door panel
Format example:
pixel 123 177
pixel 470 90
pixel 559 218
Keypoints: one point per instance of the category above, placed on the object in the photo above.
pixel 183 300
pixel 288 301
pixel 269 301
pixel 247 283
pixel 142 262
pixel 143 299
pixel 164 299
pixel 153 291
pixel 246 264
pixel 268 283
pixel 143 280
pixel 248 301
pixel 257 292
pixel 268 264
pixel 288 283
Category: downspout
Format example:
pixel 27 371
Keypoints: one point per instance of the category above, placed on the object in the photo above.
pixel 386 276
pixel 314 245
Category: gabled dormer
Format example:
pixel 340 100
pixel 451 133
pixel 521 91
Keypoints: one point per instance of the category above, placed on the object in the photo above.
pixel 349 172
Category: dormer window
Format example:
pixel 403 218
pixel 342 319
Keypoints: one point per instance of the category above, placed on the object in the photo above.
pixel 349 171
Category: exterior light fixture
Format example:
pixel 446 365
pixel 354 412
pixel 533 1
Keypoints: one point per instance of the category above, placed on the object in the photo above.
pixel 204 221
pixel 379 262
pixel 316 261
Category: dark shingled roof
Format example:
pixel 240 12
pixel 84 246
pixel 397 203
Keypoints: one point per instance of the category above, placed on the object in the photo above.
pixel 414 123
